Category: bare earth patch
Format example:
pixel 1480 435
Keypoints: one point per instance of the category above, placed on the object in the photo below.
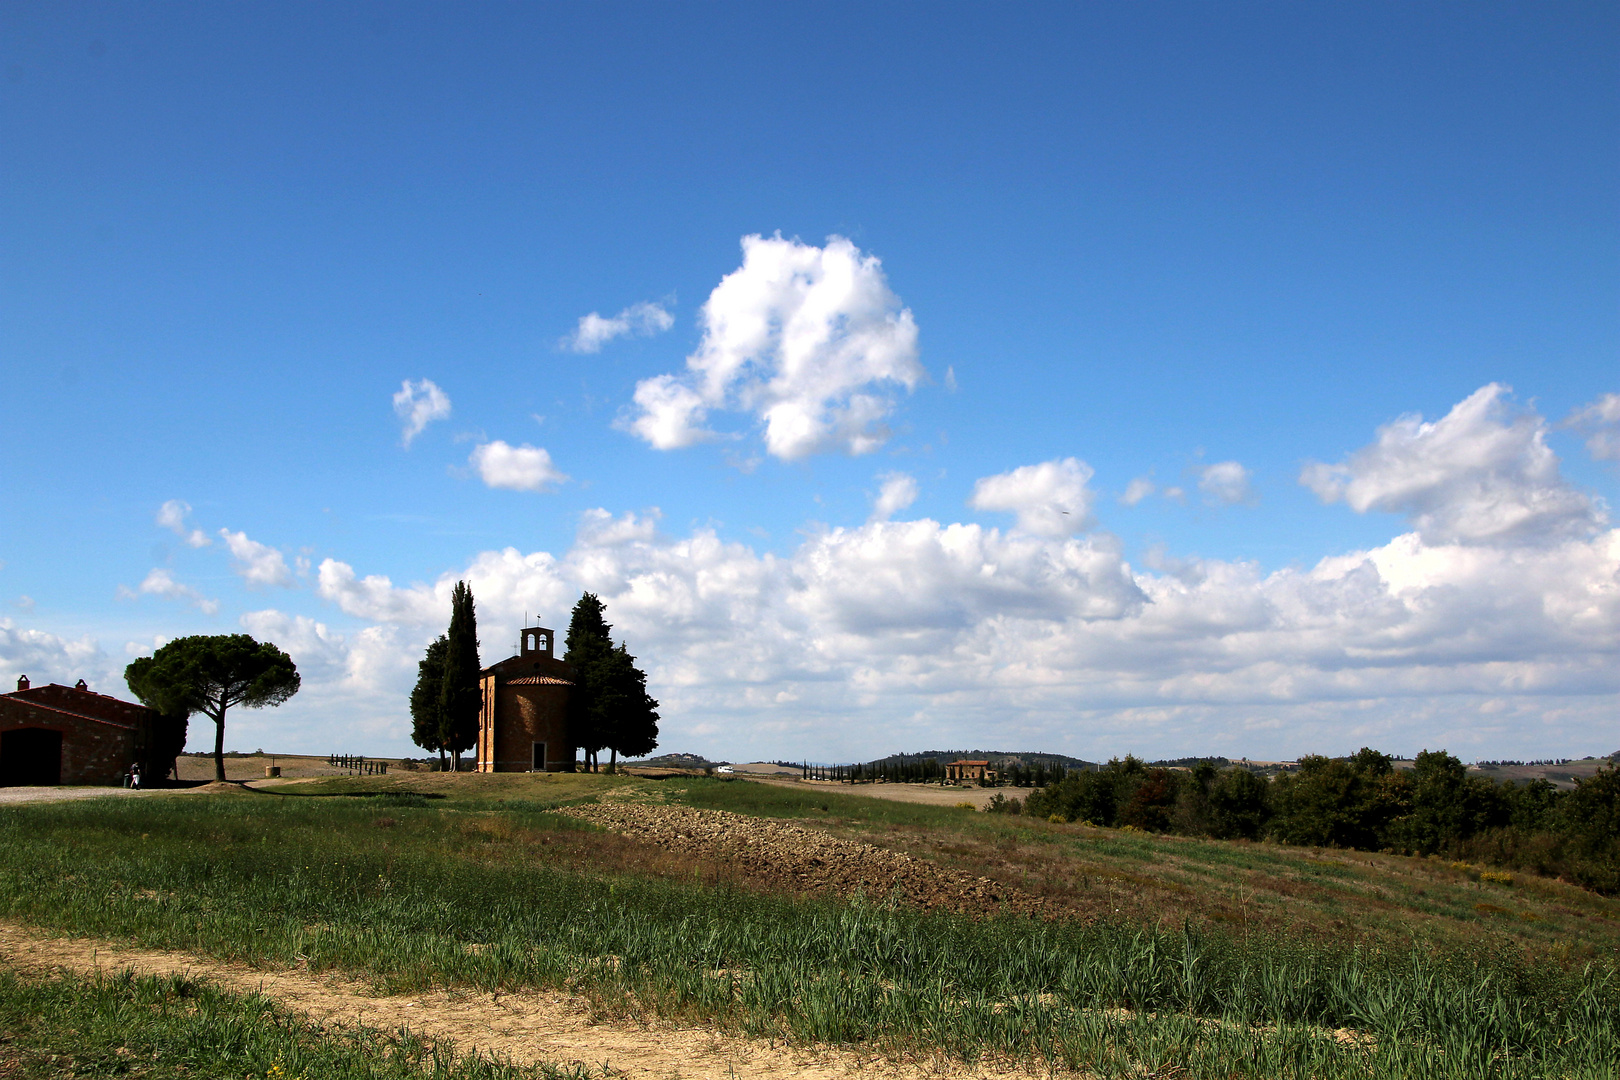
pixel 532 1026
pixel 926 794
pixel 785 855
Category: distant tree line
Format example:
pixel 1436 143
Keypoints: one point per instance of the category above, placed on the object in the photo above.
pixel 888 771
pixel 1434 808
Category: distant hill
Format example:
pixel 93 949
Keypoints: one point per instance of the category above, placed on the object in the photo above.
pixel 674 761
pixel 996 758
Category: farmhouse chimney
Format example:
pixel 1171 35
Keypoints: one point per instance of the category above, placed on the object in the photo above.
pixel 81 685
pixel 22 683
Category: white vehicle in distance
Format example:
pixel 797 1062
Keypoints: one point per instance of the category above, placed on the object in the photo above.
pixel 723 768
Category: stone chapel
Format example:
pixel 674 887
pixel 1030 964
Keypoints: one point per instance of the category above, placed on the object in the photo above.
pixel 523 711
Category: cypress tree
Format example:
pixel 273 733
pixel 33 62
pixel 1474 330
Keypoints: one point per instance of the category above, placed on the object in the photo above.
pixel 608 706
pixel 587 645
pixel 626 717
pixel 426 719
pixel 458 692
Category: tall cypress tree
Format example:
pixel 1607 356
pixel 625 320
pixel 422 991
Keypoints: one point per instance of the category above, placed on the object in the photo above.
pixel 608 705
pixel 458 692
pixel 628 714
pixel 588 644
pixel 426 719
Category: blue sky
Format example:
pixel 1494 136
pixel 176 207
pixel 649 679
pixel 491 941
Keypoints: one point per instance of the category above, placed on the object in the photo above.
pixel 1199 248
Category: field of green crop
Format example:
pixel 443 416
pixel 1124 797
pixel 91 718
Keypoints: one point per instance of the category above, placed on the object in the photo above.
pixel 488 888
pixel 1367 898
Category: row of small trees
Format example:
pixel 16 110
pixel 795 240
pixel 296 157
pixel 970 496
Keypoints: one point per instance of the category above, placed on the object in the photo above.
pixel 1364 802
pixel 608 705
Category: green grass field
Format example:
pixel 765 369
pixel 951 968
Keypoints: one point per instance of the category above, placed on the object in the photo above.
pixel 1385 900
pixel 433 881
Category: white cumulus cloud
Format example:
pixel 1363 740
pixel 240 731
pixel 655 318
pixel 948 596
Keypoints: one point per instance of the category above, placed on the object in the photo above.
pixel 1599 421
pixel 518 468
pixel 1483 473
pixel 639 320
pixel 1225 483
pixel 172 516
pixel 374 596
pixel 899 491
pixel 809 340
pixel 418 404
pixel 1051 499
pixel 598 528
pixel 162 583
pixel 45 658
pixel 968 630
pixel 259 565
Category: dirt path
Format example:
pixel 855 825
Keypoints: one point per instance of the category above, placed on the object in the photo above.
pixel 60 794
pixel 783 854
pixel 532 1026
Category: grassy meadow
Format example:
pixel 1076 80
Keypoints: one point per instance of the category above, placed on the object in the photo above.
pixel 1372 898
pixel 1182 957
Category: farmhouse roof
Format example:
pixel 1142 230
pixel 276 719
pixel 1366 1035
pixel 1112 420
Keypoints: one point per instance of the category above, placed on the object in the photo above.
pixel 10 703
pixel 964 761
pixel 537 680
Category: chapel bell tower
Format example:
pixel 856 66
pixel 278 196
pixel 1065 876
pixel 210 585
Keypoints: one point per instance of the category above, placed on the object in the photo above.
pixel 536 642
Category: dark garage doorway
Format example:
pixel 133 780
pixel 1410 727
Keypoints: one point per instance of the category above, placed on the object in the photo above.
pixel 30 756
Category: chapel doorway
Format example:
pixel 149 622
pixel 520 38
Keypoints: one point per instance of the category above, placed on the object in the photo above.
pixel 539 757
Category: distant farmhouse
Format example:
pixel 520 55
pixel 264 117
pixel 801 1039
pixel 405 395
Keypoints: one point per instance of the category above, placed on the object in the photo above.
pixel 523 713
pixel 964 770
pixel 72 735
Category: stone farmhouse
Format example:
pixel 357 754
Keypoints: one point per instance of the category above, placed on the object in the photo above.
pixel 523 712
pixel 963 770
pixel 72 735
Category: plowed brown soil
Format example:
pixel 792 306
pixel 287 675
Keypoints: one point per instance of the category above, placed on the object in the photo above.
pixel 527 1027
pixel 784 855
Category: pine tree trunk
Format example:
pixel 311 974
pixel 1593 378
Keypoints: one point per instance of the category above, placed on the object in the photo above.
pixel 219 746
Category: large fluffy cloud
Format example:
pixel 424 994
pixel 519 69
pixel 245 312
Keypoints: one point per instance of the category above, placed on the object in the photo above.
pixel 809 340
pixel 894 634
pixel 1482 474
pixel 1014 637
pixel 1495 623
